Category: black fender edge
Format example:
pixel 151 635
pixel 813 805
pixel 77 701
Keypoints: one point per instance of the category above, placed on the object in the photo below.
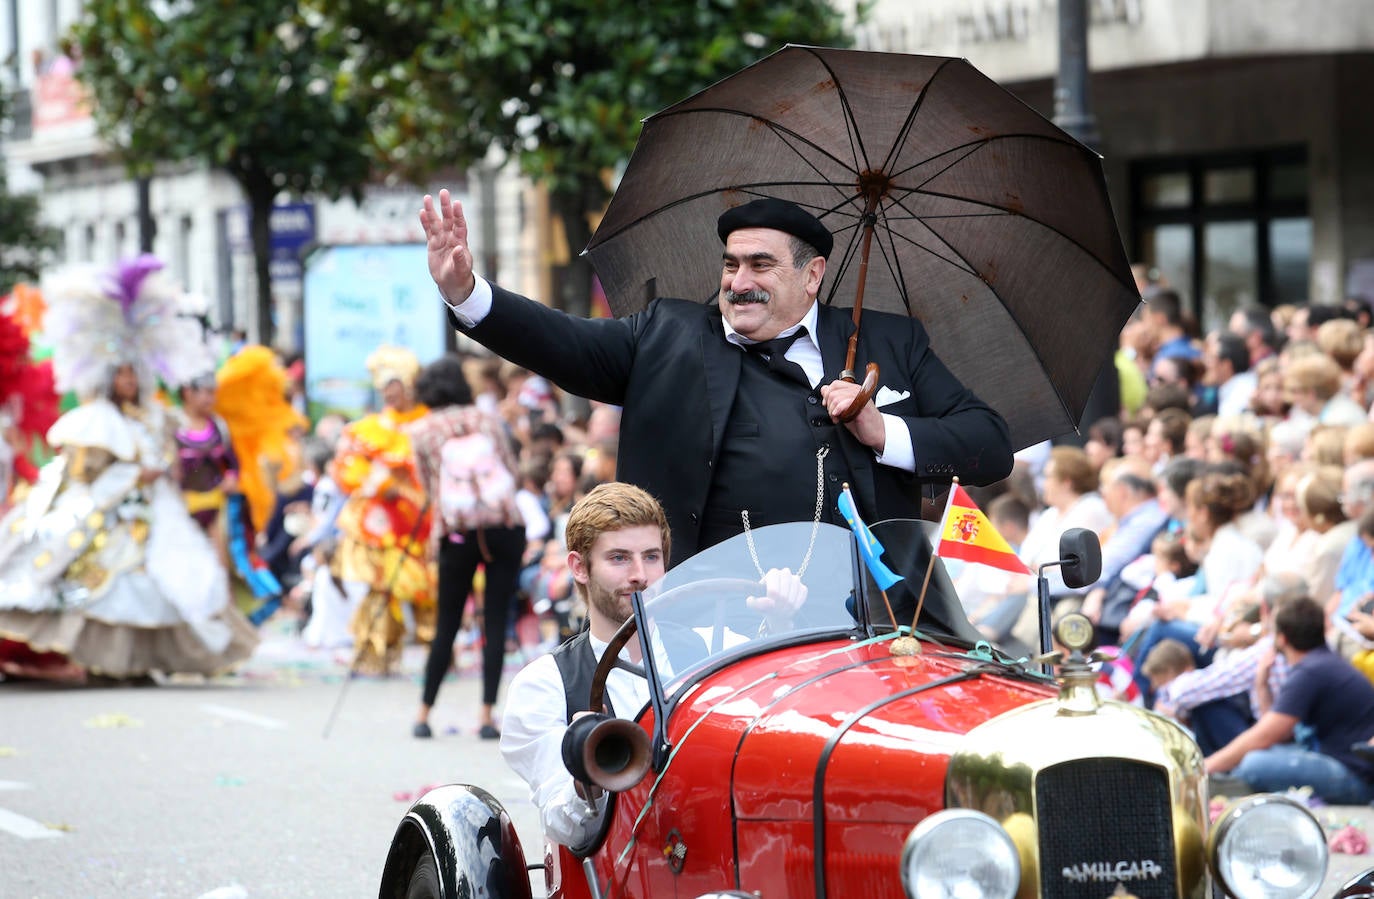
pixel 471 839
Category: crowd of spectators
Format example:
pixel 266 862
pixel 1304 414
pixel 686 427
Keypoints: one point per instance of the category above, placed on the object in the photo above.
pixel 1234 495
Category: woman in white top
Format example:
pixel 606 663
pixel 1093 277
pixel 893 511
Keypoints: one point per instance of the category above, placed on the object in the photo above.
pixel 1229 563
pixel 1071 501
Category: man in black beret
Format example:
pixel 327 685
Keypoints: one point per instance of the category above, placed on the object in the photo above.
pixel 731 409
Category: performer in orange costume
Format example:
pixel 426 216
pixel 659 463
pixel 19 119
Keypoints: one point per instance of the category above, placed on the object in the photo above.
pixel 382 558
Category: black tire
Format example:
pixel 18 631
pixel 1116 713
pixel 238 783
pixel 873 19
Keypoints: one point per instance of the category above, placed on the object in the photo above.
pixel 424 879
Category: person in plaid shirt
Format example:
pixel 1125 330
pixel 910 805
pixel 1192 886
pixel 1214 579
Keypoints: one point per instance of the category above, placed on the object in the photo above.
pixel 468 468
pixel 1219 701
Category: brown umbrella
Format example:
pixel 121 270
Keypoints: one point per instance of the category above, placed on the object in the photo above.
pixel 990 224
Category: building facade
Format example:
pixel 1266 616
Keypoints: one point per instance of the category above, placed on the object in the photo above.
pixel 201 216
pixel 1236 134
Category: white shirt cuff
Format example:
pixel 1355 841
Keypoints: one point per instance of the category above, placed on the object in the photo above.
pixel 897 451
pixel 471 311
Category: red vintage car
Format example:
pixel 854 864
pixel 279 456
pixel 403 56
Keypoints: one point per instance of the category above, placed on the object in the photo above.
pixel 837 757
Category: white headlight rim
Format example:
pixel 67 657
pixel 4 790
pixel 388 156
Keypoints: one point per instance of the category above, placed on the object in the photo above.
pixel 927 835
pixel 1224 836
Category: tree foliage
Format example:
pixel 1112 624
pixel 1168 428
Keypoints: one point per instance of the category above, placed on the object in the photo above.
pixel 559 85
pixel 25 241
pixel 249 86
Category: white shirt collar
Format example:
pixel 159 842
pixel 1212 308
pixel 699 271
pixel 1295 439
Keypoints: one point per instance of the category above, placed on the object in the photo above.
pixel 808 321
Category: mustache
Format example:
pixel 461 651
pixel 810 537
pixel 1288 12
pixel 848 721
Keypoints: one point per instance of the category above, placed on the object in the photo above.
pixel 751 296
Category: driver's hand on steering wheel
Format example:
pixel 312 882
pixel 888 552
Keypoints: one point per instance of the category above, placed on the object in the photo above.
pixel 784 595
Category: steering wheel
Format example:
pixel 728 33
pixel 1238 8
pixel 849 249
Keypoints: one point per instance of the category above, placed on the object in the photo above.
pixel 626 632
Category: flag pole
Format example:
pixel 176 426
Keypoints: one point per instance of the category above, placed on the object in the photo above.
pixel 890 614
pixel 930 566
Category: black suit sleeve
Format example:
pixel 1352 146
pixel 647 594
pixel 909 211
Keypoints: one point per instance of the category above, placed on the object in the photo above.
pixel 591 358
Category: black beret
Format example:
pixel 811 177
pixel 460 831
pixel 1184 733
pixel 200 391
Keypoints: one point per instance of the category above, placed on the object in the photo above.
pixel 779 215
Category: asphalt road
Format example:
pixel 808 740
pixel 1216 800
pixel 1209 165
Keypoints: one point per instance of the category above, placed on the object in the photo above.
pixel 227 789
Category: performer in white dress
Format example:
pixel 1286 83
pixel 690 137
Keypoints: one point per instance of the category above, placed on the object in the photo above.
pixel 102 562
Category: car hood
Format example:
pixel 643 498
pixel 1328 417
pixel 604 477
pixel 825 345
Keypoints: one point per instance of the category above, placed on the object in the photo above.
pixel 868 734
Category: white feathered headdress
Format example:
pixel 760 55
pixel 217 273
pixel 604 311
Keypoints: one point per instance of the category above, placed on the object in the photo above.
pixel 98 320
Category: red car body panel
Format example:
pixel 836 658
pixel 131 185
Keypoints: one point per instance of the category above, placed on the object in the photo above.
pixel 737 796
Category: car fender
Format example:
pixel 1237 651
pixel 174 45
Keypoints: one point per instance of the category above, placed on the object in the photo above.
pixel 463 841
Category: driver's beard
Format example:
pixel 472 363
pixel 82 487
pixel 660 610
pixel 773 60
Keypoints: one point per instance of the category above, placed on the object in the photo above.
pixel 608 604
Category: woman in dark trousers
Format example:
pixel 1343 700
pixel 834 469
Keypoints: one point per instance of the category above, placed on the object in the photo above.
pixel 469 471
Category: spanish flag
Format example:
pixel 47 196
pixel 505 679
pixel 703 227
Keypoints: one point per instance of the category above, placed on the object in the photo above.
pixel 966 533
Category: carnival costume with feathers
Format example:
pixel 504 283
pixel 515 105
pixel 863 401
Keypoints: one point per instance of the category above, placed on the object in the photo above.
pixel 96 563
pixel 384 523
pixel 28 399
pixel 250 395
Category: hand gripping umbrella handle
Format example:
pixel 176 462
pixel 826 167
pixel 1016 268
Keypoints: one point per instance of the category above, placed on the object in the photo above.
pixel 865 392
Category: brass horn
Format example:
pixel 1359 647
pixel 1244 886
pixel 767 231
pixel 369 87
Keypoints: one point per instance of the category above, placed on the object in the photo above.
pixel 612 753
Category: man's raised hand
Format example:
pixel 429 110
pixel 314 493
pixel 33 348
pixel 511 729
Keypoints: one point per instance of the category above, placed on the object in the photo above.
pixel 446 237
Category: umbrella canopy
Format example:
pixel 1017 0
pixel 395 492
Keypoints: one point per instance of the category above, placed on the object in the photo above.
pixel 993 226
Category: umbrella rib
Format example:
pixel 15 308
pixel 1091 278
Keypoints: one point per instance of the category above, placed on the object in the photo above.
pixel 1019 326
pixel 911 118
pixel 1003 211
pixel 772 126
pixel 851 125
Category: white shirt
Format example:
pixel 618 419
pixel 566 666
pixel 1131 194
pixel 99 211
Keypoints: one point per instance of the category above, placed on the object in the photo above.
pixel 1231 562
pixel 536 717
pixel 897 449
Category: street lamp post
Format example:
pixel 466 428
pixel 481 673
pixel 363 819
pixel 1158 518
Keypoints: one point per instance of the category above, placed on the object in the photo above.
pixel 1072 103
pixel 1073 112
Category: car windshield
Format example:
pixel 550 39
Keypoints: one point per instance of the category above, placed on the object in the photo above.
pixel 735 596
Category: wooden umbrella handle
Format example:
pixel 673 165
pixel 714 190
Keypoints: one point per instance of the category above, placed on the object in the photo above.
pixel 865 392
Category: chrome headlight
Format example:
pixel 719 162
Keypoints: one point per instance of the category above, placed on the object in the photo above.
pixel 960 853
pixel 1269 847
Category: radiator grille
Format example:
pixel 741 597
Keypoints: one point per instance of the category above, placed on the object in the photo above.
pixel 1098 819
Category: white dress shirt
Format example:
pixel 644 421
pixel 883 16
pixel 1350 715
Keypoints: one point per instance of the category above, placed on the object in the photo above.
pixel 897 449
pixel 536 717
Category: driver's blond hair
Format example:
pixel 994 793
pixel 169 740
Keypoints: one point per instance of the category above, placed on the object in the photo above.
pixel 614 506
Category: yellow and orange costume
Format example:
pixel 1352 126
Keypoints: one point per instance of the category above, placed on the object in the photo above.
pixel 384 524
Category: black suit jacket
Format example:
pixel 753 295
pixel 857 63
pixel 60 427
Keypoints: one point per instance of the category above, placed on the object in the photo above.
pixel 674 373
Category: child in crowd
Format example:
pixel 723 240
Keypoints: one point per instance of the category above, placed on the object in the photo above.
pixel 1167 660
pixel 1165 573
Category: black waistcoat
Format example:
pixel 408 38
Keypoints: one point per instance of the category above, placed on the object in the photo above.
pixel 577 663
pixel 767 461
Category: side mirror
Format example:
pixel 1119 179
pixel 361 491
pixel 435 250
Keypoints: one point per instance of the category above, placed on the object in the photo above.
pixel 1082 557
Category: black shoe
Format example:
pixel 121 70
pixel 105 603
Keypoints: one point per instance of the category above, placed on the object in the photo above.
pixel 421 730
pixel 489 732
pixel 1364 751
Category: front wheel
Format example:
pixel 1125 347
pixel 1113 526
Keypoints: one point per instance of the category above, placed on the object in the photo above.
pixel 424 880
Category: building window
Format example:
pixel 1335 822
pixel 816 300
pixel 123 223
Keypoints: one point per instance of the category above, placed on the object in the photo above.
pixel 1226 231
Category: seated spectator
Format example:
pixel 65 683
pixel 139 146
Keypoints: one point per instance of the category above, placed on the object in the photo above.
pixel 1129 492
pixel 1314 383
pixel 1166 662
pixel 1227 558
pixel 1354 584
pixel 1219 701
pixel 1162 577
pixel 995 597
pixel 1323 692
pixel 1072 501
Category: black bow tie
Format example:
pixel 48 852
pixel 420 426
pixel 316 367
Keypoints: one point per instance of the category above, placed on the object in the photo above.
pixel 773 353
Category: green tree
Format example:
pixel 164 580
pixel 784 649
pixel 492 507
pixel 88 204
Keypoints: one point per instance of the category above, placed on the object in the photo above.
pixel 248 86
pixel 559 85
pixel 25 242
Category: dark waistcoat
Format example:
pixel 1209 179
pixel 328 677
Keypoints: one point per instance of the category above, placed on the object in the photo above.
pixel 767 462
